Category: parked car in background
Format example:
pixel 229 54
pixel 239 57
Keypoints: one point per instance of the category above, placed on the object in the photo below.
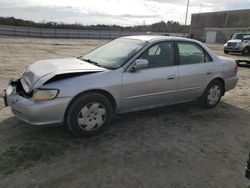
pixel 165 34
pixel 240 43
pixel 127 74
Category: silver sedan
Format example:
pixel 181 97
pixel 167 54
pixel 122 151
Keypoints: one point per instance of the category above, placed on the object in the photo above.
pixel 127 74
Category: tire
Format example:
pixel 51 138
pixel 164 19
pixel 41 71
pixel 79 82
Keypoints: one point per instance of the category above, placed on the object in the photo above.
pixel 225 52
pixel 246 51
pixel 88 114
pixel 212 95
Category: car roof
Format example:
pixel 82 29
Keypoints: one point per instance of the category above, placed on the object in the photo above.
pixel 155 38
pixel 158 38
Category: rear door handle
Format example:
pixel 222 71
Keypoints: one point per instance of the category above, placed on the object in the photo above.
pixel 171 77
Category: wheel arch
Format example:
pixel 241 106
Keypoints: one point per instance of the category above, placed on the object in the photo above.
pixel 221 80
pixel 100 91
pixel 243 51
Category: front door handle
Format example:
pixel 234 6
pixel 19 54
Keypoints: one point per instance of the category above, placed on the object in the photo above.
pixel 171 77
pixel 209 72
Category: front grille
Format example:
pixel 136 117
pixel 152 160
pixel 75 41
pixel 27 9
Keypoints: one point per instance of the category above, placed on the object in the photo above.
pixel 231 44
pixel 20 91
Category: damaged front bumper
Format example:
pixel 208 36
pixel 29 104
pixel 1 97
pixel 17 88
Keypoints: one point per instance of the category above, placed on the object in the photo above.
pixel 36 113
pixel 5 98
pixel 8 91
pixel 247 175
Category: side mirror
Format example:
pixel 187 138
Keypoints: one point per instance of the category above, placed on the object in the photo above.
pixel 139 64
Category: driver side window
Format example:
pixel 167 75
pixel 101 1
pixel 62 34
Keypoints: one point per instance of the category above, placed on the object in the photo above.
pixel 159 55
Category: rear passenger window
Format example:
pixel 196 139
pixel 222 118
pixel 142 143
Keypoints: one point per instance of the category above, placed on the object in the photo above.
pixel 190 53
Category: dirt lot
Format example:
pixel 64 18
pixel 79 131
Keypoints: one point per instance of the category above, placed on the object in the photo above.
pixel 176 146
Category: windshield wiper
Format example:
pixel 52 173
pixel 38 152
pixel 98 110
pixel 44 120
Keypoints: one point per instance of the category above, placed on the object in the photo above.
pixel 91 61
pixel 94 62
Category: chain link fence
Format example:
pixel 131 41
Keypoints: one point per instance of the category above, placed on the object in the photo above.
pixel 71 33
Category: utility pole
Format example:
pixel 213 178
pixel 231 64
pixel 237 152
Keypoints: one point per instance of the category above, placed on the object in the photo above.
pixel 226 20
pixel 186 18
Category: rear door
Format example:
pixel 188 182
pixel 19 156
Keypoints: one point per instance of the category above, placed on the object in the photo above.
pixel 196 68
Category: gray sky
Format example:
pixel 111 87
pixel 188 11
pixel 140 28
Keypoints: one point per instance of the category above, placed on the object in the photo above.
pixel 119 12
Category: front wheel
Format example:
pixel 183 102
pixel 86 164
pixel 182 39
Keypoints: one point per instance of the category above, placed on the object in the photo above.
pixel 212 95
pixel 246 51
pixel 88 114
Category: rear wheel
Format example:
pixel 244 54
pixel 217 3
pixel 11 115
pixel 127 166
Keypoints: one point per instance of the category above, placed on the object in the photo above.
pixel 89 114
pixel 212 95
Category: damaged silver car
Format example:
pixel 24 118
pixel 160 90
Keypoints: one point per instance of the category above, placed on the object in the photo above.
pixel 124 75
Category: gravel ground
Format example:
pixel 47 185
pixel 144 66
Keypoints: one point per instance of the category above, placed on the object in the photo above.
pixel 177 146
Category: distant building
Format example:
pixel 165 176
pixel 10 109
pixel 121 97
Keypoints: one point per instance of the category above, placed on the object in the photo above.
pixel 217 27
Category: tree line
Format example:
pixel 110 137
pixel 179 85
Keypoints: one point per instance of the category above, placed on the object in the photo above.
pixel 169 26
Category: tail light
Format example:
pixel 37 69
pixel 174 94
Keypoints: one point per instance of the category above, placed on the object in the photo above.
pixel 236 68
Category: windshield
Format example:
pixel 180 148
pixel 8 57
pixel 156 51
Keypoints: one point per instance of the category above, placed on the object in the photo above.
pixel 115 53
pixel 241 36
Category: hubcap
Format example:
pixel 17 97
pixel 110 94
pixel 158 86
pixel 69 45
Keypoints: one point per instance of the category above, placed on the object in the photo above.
pixel 246 50
pixel 214 95
pixel 92 116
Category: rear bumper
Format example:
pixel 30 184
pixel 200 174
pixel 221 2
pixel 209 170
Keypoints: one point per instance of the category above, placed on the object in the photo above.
pixel 37 113
pixel 231 83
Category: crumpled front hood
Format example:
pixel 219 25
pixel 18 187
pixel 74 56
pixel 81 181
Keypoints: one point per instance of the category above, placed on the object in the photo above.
pixel 35 73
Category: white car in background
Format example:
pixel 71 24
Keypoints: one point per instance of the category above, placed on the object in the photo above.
pixel 239 43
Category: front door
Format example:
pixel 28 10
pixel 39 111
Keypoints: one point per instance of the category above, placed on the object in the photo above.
pixel 155 85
